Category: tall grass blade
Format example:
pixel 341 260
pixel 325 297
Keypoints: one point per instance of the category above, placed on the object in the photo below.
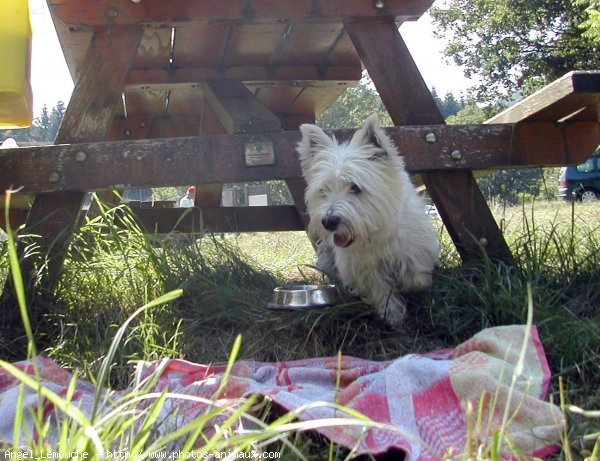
pixel 62 404
pixel 517 373
pixel 17 278
pixel 107 361
pixel 235 350
pixel 19 288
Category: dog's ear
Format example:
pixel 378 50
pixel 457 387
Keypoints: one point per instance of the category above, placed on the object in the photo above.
pixel 372 134
pixel 313 140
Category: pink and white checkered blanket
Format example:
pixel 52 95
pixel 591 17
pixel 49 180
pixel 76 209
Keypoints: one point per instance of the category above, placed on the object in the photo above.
pixel 421 399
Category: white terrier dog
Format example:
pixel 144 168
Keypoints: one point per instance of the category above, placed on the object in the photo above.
pixel 366 218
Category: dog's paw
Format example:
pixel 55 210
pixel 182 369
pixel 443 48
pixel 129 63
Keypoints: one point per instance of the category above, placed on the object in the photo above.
pixel 326 258
pixel 393 311
pixel 416 282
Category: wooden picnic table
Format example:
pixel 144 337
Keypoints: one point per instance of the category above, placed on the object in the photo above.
pixel 212 92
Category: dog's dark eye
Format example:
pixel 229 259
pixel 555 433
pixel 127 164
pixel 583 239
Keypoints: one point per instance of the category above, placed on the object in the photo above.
pixel 355 189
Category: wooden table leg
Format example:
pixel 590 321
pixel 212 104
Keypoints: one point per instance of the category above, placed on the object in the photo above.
pixel 459 200
pixel 88 118
pixel 297 186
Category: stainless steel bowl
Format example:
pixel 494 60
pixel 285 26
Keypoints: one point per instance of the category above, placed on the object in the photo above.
pixel 303 296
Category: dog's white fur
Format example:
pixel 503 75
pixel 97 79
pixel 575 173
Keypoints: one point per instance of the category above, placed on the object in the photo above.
pixel 369 224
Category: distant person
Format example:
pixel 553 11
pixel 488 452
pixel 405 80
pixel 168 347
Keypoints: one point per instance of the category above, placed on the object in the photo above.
pixel 187 200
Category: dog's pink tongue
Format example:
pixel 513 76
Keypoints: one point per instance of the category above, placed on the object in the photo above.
pixel 341 239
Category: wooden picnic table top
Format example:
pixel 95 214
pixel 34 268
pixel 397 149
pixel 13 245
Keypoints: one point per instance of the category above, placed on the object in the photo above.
pixel 295 56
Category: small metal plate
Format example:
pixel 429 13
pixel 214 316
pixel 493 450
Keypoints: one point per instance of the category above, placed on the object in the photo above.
pixel 259 153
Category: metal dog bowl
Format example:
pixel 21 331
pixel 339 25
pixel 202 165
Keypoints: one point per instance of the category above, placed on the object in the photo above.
pixel 303 296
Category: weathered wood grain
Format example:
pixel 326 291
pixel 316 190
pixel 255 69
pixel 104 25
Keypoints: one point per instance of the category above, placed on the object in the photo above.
pixel 238 109
pixel 291 75
pixel 181 12
pixel 55 213
pixel 574 97
pixel 219 219
pixel 220 158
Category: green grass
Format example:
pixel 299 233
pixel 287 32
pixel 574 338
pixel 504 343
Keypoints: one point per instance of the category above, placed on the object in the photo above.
pixel 111 271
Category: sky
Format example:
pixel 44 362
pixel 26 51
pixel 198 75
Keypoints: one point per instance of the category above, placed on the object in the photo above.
pixel 51 80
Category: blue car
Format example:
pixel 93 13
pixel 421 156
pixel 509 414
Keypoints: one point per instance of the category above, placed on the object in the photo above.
pixel 581 182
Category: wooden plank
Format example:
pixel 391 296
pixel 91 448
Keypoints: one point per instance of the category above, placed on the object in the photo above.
pixel 181 12
pixel 254 44
pixel 204 44
pixel 143 103
pixel 208 195
pixel 278 99
pixel 575 96
pixel 167 220
pixel 188 101
pixel 297 185
pixel 176 126
pixel 97 91
pixel 308 43
pixel 314 100
pixel 222 219
pixel 74 42
pixel 131 127
pixel 252 219
pixel 209 159
pixel 88 117
pixel 238 109
pixel 295 75
pixel 154 50
pixel 462 207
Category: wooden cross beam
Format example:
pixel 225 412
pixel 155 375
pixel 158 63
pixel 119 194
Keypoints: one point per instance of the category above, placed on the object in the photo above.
pixel 222 158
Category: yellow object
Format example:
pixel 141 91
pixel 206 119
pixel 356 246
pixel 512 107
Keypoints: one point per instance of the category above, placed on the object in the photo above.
pixel 16 100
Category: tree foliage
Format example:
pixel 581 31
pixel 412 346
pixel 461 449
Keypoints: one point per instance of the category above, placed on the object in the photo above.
pixel 516 45
pixel 44 128
pixel 469 113
pixel 449 105
pixel 352 108
pixel 591 25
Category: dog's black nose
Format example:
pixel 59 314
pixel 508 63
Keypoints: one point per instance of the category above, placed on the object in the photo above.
pixel 330 222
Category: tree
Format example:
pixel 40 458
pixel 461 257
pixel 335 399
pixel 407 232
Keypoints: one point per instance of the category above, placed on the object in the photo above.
pixel 470 113
pixel 43 125
pixel 449 105
pixel 591 25
pixel 516 45
pixel 43 129
pixel 352 108
pixel 56 116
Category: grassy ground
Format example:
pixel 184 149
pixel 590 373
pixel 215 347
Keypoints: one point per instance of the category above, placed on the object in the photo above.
pixel 110 272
